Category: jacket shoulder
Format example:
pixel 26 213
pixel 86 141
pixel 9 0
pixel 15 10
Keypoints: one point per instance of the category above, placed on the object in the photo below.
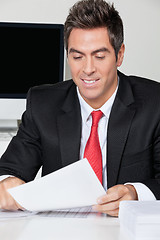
pixel 45 91
pixel 141 85
pixel 64 85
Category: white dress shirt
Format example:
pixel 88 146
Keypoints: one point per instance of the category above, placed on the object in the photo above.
pixel 144 193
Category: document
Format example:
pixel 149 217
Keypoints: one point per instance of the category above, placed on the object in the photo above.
pixel 140 219
pixel 5 214
pixel 75 185
pixel 83 212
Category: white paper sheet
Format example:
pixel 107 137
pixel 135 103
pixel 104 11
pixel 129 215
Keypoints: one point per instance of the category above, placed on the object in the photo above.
pixel 83 212
pixel 73 186
pixel 140 219
pixel 5 214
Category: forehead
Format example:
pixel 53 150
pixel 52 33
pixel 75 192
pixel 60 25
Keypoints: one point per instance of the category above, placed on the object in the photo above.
pixel 89 39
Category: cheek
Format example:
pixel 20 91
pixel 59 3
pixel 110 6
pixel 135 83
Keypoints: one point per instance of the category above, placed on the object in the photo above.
pixel 74 72
pixel 75 69
pixel 105 66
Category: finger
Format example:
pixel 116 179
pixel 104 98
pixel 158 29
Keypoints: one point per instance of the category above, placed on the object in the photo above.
pixel 109 197
pixel 113 213
pixel 113 194
pixel 19 206
pixel 106 210
pixel 111 208
pixel 7 202
pixel 8 205
pixel 107 206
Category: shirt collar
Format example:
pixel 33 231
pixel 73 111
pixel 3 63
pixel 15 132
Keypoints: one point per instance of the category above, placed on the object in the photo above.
pixel 86 109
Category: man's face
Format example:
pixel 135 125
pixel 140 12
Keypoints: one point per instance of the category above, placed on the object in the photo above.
pixel 93 64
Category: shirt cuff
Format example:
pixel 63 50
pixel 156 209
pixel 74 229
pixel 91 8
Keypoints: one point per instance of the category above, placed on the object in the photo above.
pixel 5 176
pixel 143 192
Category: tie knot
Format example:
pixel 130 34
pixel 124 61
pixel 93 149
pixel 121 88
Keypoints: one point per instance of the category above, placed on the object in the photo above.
pixel 96 115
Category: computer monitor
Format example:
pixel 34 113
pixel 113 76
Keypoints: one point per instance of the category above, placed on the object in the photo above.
pixel 31 54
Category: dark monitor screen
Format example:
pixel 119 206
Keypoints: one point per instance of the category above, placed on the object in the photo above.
pixel 30 54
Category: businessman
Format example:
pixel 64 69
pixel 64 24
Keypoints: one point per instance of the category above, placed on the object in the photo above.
pixel 56 128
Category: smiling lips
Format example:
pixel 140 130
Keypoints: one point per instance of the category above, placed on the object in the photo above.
pixel 89 81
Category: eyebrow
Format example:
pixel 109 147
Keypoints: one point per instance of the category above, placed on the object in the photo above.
pixel 103 49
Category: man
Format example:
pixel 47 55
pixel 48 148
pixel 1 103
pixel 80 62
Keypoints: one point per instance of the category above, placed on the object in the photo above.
pixel 57 123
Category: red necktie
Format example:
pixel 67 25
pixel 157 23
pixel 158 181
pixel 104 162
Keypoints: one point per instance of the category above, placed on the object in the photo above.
pixel 92 150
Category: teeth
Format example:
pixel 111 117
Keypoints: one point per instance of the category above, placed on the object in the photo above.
pixel 86 81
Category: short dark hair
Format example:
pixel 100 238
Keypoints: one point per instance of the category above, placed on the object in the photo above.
pixel 89 14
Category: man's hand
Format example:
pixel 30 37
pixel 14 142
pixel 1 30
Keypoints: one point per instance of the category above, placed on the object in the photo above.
pixel 109 203
pixel 6 200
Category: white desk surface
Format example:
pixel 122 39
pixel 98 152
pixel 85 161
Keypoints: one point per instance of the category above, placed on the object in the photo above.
pixel 58 228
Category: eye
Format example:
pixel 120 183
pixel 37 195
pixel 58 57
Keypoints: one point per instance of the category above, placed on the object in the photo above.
pixel 76 58
pixel 100 57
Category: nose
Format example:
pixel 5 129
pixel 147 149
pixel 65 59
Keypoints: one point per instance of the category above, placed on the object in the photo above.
pixel 89 67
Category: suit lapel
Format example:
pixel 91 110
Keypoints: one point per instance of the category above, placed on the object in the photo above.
pixel 69 128
pixel 120 120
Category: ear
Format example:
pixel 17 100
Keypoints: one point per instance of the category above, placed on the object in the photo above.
pixel 120 55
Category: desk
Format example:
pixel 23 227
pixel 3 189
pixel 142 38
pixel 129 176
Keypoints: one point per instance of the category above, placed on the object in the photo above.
pixel 37 227
pixel 51 228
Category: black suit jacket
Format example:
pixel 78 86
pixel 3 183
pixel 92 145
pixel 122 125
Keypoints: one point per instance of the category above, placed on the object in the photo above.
pixel 51 130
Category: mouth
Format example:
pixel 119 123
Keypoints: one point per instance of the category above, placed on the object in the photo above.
pixel 89 81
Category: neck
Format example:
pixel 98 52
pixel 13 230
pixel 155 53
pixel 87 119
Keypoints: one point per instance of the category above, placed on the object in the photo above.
pixel 100 101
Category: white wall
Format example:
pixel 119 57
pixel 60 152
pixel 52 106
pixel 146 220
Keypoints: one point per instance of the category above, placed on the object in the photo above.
pixel 142 37
pixel 141 26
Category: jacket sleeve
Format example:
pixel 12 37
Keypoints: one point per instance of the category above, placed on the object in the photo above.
pixel 22 157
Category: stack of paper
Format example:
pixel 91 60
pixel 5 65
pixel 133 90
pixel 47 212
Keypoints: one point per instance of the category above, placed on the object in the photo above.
pixel 140 219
